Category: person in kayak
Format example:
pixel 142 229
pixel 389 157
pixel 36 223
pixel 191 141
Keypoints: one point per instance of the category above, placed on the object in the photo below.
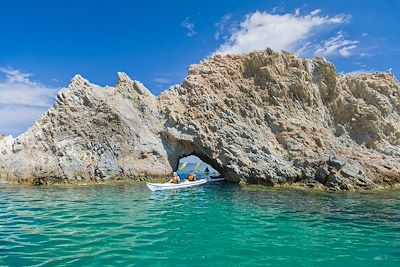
pixel 191 177
pixel 175 179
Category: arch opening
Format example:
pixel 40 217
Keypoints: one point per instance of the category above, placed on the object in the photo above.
pixel 193 163
pixel 179 146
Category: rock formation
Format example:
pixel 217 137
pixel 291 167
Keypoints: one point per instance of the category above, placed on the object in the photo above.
pixel 265 117
pixel 91 133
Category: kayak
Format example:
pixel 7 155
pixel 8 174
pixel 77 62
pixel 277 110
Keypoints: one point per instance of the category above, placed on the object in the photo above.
pixel 170 186
pixel 215 179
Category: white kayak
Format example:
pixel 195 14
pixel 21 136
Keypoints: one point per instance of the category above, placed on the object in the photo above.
pixel 169 186
pixel 215 178
pixel 210 180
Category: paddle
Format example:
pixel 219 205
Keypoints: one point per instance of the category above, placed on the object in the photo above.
pixel 197 166
pixel 183 166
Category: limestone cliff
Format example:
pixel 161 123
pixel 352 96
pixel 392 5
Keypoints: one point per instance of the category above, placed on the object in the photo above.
pixel 91 133
pixel 265 117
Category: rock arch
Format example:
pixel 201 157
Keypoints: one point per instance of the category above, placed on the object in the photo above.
pixel 179 145
pixel 265 117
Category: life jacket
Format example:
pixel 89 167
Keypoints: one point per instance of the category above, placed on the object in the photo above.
pixel 175 180
pixel 191 178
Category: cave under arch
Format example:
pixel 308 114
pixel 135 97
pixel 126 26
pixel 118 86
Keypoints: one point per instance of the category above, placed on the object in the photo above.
pixel 179 145
pixel 191 161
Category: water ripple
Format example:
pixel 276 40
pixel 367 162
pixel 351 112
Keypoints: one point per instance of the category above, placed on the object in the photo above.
pixel 216 224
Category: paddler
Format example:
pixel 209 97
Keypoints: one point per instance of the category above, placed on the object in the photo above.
pixel 191 177
pixel 175 179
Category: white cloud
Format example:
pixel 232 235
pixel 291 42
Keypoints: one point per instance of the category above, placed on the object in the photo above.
pixel 221 26
pixel 336 45
pixel 291 32
pixel 359 71
pixel 277 9
pixel 22 100
pixel 162 80
pixel 18 89
pixel 189 26
pixel 14 120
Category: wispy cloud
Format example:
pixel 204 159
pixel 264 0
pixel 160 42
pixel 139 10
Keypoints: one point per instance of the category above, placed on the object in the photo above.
pixel 14 120
pixel 359 71
pixel 221 26
pixel 189 26
pixel 22 100
pixel 336 45
pixel 161 82
pixel 277 9
pixel 19 89
pixel 289 31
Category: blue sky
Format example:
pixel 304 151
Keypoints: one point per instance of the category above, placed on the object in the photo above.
pixel 45 43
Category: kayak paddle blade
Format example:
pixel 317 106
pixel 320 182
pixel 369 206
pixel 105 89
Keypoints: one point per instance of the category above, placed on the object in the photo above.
pixel 197 166
pixel 183 166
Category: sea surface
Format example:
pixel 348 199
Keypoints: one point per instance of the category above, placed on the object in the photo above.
pixel 219 224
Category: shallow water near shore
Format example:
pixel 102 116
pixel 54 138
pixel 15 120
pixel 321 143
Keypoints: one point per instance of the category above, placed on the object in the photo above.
pixel 213 225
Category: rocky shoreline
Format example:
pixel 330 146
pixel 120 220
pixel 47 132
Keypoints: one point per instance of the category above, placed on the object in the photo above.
pixel 269 118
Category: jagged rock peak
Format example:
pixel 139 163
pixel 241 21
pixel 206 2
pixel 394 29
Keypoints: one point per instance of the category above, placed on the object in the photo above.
pixel 78 80
pixel 125 82
pixel 123 78
pixel 3 137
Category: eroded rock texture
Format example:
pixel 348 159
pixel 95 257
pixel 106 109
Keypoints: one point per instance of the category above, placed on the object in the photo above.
pixel 91 133
pixel 266 117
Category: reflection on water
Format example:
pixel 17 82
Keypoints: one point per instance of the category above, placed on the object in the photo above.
pixel 216 224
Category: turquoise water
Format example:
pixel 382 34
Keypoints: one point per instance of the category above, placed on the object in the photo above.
pixel 212 225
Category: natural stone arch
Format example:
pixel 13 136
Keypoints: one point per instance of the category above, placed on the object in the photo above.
pixel 194 159
pixel 180 145
pixel 265 117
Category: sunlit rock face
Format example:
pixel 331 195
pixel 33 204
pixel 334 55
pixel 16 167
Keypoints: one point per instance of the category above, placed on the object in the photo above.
pixel 92 133
pixel 266 117
pixel 274 118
